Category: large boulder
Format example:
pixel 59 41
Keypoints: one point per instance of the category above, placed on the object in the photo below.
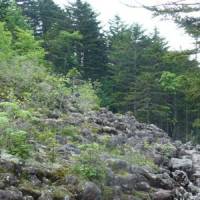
pixel 181 178
pixel 91 192
pixel 11 194
pixel 181 164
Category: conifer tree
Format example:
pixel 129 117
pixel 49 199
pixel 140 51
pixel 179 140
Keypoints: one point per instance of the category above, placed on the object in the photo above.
pixel 92 50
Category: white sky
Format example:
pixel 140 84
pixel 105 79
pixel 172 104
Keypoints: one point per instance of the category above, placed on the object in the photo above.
pixel 107 9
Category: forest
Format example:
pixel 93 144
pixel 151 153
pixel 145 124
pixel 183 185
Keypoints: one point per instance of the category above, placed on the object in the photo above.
pixel 130 69
pixel 88 113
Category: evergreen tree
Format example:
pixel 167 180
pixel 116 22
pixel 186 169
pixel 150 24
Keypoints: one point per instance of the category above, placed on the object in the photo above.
pixel 42 15
pixel 4 4
pixel 183 13
pixel 61 50
pixel 92 50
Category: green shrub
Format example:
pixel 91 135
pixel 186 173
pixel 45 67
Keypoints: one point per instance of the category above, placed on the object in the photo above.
pixel 167 150
pixel 17 144
pixel 90 166
pixel 88 99
pixel 48 138
pixel 13 110
pixel 71 131
pixel 140 159
pixel 5 43
pixel 4 121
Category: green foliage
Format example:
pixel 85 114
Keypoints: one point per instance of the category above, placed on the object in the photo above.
pixel 89 165
pixel 167 150
pixel 170 82
pixel 92 45
pixel 4 121
pixel 13 110
pixel 71 131
pixel 61 50
pixel 26 45
pixel 5 43
pixel 17 144
pixel 14 18
pixel 136 70
pixel 88 99
pixel 196 123
pixel 73 74
pixel 48 138
pixel 140 159
pixel 13 138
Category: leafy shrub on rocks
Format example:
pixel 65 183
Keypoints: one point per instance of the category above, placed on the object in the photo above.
pixel 70 130
pixel 17 144
pixel 89 165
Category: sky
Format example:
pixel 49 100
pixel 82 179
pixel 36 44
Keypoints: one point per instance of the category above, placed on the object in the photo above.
pixel 107 9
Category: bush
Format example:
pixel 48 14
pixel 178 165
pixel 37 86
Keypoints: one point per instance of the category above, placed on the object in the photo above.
pixel 13 110
pixel 17 144
pixel 88 99
pixel 48 138
pixel 90 166
pixel 72 132
pixel 4 121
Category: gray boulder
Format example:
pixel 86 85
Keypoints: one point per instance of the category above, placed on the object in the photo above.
pixel 181 164
pixel 181 178
pixel 163 195
pixel 28 198
pixel 11 194
pixel 45 196
pixel 91 192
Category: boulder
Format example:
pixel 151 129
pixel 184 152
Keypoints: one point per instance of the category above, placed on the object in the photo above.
pixel 45 196
pixel 143 186
pixel 68 149
pixel 163 181
pixel 91 192
pixel 11 194
pixel 181 164
pixel 163 195
pixel 28 198
pixel 181 178
pixel 117 164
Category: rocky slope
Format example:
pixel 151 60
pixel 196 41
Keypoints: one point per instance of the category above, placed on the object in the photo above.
pixel 103 156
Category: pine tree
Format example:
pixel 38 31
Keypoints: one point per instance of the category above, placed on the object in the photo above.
pixel 92 50
pixel 183 13
pixel 4 4
pixel 42 15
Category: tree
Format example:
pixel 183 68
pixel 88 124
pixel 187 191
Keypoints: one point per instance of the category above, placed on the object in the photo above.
pixel 61 50
pixel 42 15
pixel 184 13
pixel 91 52
pixel 12 16
pixel 131 54
pixel 26 45
pixel 5 43
pixel 4 4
